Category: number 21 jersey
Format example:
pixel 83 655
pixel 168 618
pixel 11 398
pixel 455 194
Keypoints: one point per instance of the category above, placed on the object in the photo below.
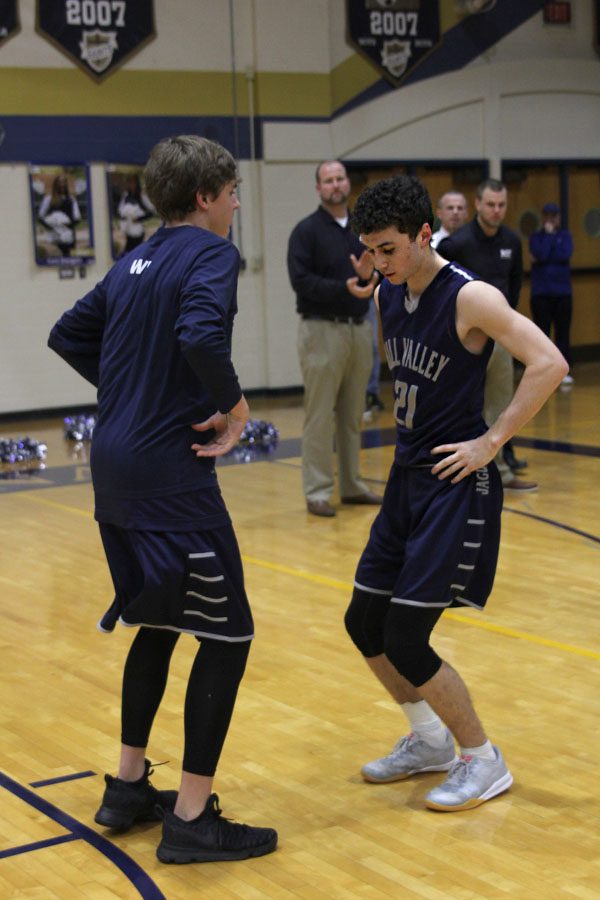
pixel 438 383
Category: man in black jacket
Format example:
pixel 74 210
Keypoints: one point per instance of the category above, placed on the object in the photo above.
pixel 333 278
pixel 491 250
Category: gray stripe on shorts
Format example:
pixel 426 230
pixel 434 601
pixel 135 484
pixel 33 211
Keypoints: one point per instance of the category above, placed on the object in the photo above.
pixel 208 599
pixel 195 612
pixel 468 602
pixel 207 577
pixel 201 555
pixel 370 590
pixel 475 521
pixel 470 544
pixel 417 602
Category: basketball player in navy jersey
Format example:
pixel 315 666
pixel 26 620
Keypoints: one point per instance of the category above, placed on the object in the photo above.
pixel 154 336
pixel 434 544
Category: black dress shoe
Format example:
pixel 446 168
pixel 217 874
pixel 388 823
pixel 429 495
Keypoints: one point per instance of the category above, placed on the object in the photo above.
pixel 320 508
pixel 508 454
pixel 366 499
pixel 518 486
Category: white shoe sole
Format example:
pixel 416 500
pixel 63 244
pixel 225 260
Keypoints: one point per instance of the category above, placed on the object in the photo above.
pixel 498 787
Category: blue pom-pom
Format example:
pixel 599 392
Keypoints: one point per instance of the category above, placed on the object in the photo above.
pixel 80 427
pixel 257 440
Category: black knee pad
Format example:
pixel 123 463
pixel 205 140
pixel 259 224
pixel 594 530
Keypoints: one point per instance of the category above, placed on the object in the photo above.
pixel 407 642
pixel 365 621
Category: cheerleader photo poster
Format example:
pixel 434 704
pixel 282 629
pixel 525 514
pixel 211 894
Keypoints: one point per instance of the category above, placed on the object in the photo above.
pixel 61 210
pixel 133 219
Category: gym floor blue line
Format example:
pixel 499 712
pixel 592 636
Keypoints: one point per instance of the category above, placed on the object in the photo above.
pixel 139 879
pixel 38 845
pixel 79 473
pixel 60 779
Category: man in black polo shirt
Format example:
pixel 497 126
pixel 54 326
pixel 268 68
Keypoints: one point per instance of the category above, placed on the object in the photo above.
pixel 491 250
pixel 333 278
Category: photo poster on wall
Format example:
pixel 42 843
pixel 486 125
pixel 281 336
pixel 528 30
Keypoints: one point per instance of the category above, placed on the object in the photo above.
pixel 133 219
pixel 62 215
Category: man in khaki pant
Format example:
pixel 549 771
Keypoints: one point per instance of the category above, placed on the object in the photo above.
pixel 333 279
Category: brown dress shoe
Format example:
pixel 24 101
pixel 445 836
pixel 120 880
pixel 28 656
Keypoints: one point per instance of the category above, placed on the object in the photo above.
pixel 320 508
pixel 519 486
pixel 366 499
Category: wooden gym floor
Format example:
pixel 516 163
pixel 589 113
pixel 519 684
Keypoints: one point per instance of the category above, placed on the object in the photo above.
pixel 309 713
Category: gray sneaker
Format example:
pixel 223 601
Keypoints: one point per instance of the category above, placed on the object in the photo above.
pixel 470 782
pixel 410 755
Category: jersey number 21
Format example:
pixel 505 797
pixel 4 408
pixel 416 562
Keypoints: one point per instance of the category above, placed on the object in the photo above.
pixel 406 400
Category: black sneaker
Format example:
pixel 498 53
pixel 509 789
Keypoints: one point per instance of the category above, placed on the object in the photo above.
pixel 127 802
pixel 211 838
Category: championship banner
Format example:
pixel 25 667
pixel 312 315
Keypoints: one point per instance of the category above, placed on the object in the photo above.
pixel 393 35
pixel 9 20
pixel 97 35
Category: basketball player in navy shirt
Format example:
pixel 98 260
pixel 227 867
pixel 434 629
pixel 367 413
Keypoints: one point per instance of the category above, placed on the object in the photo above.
pixel 154 336
pixel 434 544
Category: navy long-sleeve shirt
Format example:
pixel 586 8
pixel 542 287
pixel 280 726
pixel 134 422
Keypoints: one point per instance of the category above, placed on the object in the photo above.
pixel 551 270
pixel 319 264
pixel 497 259
pixel 154 336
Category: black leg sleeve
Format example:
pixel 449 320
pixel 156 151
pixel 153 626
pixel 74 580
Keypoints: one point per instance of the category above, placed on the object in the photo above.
pixel 144 682
pixel 212 690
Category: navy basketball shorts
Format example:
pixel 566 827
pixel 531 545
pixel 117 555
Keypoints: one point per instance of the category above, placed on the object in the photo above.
pixel 434 543
pixel 190 581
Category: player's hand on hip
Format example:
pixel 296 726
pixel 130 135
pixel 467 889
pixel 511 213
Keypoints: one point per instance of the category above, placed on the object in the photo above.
pixel 228 428
pixel 461 459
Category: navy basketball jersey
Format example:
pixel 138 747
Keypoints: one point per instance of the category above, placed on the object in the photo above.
pixel 438 383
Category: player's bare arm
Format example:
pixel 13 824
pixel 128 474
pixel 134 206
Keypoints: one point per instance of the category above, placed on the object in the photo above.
pixel 482 312
pixel 228 429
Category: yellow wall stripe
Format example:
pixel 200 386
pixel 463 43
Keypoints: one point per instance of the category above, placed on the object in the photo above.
pixel 69 92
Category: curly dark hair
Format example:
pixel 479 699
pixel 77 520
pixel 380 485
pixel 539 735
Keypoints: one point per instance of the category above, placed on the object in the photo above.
pixel 401 202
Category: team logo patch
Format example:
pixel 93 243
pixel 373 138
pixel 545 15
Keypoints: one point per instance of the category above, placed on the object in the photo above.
pixel 395 56
pixel 98 48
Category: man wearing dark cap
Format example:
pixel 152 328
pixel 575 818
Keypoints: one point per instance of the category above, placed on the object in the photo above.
pixel 551 249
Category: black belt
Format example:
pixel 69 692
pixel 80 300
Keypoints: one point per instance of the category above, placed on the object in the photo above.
pixel 345 320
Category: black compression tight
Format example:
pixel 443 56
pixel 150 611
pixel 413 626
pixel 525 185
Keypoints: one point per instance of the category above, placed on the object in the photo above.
pixel 144 681
pixel 212 689
pixel 211 693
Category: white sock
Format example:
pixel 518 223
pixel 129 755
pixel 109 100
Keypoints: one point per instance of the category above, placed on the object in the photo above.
pixel 425 723
pixel 486 751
